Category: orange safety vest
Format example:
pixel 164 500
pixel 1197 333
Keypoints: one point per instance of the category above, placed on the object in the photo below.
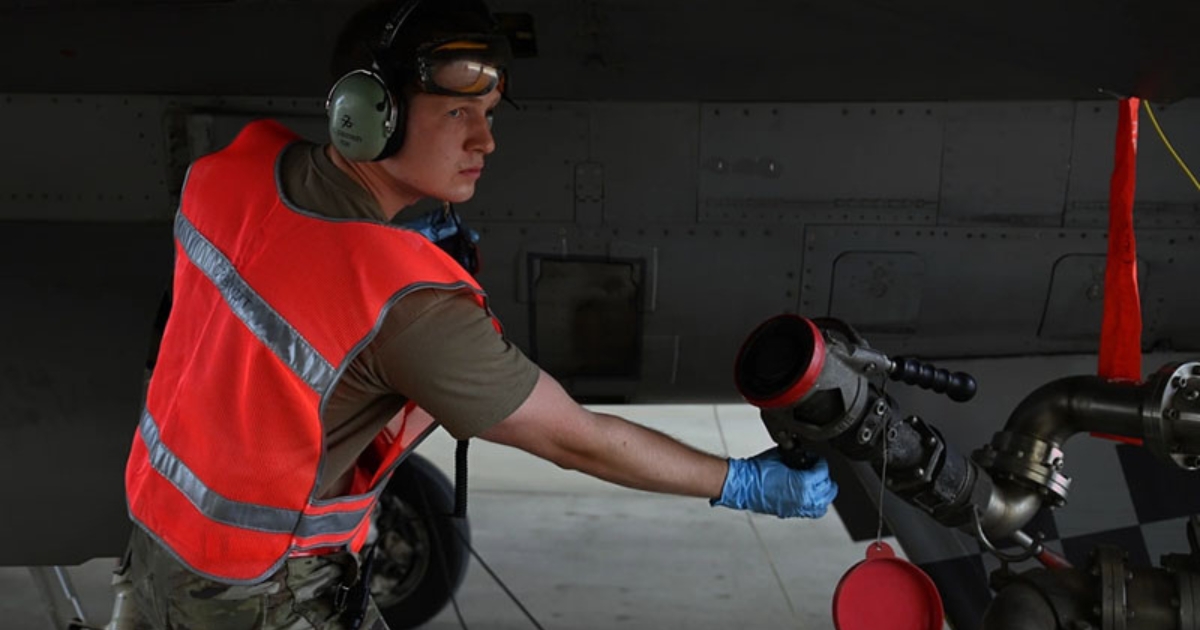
pixel 271 304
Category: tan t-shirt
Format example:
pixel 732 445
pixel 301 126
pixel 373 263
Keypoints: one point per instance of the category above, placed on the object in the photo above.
pixel 435 347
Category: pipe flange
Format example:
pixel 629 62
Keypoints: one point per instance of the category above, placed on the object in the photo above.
pixel 1109 566
pixel 1021 457
pixel 1171 415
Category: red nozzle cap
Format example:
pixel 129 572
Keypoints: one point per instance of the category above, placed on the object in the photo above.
pixel 884 591
pixel 779 362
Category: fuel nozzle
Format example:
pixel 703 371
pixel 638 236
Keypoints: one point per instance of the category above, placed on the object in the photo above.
pixel 819 381
pixel 789 360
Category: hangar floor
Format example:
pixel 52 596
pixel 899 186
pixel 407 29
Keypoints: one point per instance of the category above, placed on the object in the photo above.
pixel 583 554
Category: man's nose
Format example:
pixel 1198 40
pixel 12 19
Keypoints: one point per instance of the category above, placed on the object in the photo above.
pixel 481 138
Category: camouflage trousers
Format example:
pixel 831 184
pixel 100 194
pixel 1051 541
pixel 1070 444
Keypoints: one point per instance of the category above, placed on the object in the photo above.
pixel 302 595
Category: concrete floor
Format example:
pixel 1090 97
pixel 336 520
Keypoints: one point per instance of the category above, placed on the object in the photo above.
pixel 581 553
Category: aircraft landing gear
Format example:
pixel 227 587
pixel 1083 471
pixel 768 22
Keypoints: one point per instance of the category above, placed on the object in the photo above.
pixel 421 553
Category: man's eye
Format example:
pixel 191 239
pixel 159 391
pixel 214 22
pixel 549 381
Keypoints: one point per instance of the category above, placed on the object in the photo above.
pixel 491 118
pixel 456 113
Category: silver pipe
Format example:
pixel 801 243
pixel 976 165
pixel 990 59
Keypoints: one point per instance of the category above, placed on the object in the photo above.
pixel 1062 408
pixel 1009 508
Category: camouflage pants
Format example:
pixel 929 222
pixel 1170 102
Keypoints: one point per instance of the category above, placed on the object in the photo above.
pixel 300 596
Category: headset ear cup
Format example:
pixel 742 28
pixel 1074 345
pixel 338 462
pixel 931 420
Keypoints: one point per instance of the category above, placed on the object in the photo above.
pixel 396 140
pixel 362 116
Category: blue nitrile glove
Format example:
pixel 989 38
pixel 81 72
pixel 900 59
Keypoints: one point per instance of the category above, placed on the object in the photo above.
pixel 766 485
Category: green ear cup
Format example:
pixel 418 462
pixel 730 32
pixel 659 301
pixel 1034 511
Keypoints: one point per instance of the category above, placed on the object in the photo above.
pixel 362 116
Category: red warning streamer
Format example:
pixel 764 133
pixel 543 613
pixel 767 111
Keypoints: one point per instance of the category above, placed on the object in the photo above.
pixel 1121 330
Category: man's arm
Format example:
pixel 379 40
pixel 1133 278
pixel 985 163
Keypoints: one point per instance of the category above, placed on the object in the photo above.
pixel 481 377
pixel 551 425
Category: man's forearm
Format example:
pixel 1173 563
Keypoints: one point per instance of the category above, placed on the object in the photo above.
pixel 635 456
pixel 552 426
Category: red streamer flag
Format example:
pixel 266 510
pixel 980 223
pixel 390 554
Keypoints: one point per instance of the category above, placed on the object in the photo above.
pixel 1121 330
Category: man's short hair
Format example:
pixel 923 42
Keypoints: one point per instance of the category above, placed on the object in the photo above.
pixel 357 44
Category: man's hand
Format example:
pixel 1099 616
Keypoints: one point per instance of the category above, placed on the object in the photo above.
pixel 766 485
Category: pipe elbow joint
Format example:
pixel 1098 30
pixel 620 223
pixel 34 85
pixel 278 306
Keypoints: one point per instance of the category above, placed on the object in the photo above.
pixel 1009 508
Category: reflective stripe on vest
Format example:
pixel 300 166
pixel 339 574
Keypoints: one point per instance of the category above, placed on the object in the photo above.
pixel 274 331
pixel 247 515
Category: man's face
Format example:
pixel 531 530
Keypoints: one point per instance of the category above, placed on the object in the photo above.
pixel 445 142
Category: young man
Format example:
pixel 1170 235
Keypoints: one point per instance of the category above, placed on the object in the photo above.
pixel 311 344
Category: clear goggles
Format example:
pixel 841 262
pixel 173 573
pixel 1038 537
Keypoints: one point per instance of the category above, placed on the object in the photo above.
pixel 464 67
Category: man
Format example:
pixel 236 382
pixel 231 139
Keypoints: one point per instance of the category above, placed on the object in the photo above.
pixel 312 343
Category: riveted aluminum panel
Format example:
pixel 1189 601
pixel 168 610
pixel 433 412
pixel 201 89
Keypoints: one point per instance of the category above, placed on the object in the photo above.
pixel 727 277
pixel 85 158
pixel 649 152
pixel 1170 302
pixel 787 161
pixel 211 124
pixel 715 284
pixel 1006 163
pixel 893 212
pixel 589 193
pixel 504 272
pixel 878 292
pixel 1164 196
pixel 986 291
pixel 706 288
pixel 1075 307
pixel 198 125
pixel 979 285
pixel 531 176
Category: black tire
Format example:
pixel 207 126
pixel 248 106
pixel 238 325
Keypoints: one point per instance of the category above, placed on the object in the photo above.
pixel 421 551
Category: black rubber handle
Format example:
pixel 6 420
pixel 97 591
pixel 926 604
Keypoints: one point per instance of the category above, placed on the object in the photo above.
pixel 959 386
